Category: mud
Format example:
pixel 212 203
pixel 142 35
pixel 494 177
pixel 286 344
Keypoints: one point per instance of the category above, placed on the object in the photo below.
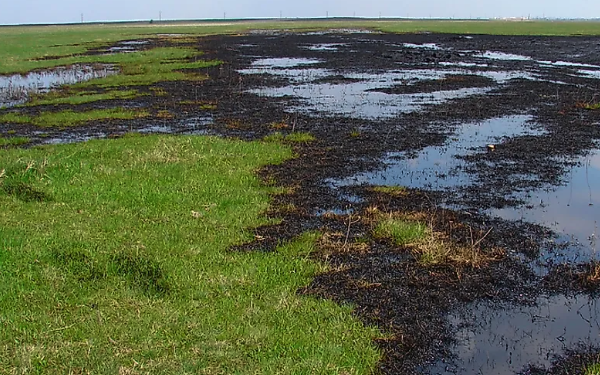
pixel 420 110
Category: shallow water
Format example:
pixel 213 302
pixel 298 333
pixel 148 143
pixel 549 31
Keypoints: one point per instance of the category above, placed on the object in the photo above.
pixel 15 89
pixel 325 46
pixel 572 210
pixel 431 46
pixel 494 55
pixel 437 167
pixel 190 126
pixel 499 340
pixel 359 98
pixel 283 62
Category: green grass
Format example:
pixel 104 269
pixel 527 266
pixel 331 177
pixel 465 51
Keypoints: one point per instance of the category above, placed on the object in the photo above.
pixel 149 67
pixel 13 141
pixel 591 106
pixel 593 369
pixel 294 137
pixel 549 28
pixel 15 118
pixel 402 232
pixel 114 258
pixel 74 98
pixel 72 118
pixel 22 46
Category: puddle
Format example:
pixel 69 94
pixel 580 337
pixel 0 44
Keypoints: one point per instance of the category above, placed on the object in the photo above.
pixel 572 210
pixel 127 46
pixel 339 31
pixel 134 42
pixel 326 46
pixel 431 46
pixel 437 167
pixel 283 62
pixel 294 75
pixel 172 35
pixel 69 137
pixel 121 49
pixel 191 126
pixel 496 340
pixel 464 64
pixel 568 64
pixel 15 89
pixel 355 100
pixel 502 56
pixel 590 73
pixel 359 98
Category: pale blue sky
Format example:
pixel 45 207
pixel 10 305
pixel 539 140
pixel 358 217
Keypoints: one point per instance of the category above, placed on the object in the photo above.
pixel 58 11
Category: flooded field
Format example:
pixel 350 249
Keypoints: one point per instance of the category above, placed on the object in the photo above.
pixel 15 89
pixel 487 337
pixel 496 139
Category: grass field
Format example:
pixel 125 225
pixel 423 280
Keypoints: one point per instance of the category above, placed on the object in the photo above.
pixel 23 46
pixel 114 259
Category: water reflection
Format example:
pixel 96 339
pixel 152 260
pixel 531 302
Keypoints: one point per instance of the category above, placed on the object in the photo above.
pixel 15 89
pixel 570 209
pixel 438 167
pixel 498 340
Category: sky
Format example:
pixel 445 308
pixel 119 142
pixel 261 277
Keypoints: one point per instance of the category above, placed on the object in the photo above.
pixel 62 11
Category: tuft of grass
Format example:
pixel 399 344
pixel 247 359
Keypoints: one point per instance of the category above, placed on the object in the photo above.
pixel 202 104
pixel 396 191
pixel 355 133
pixel 67 97
pixel 592 369
pixel 72 118
pixel 590 276
pixel 430 247
pixel 295 137
pixel 588 106
pixel 164 114
pixel 279 125
pixel 401 232
pixel 14 141
pixel 120 272
pixel 15 118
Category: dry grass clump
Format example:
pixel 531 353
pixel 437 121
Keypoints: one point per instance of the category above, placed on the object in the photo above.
pixel 337 243
pixel 590 277
pixel 416 231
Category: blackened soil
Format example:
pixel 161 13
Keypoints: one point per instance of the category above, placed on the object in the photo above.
pixel 386 283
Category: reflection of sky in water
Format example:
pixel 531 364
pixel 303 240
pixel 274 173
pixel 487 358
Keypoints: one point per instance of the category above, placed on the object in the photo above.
pixel 571 209
pixel 15 89
pixel 356 98
pixel 436 167
pixel 431 46
pixel 284 62
pixel 325 46
pixel 189 126
pixel 565 209
pixel 503 56
pixel 499 341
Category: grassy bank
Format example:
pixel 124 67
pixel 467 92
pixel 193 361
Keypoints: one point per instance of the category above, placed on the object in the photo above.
pixel 114 259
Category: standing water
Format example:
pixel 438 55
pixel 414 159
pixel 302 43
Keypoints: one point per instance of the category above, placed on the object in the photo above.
pixel 15 89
